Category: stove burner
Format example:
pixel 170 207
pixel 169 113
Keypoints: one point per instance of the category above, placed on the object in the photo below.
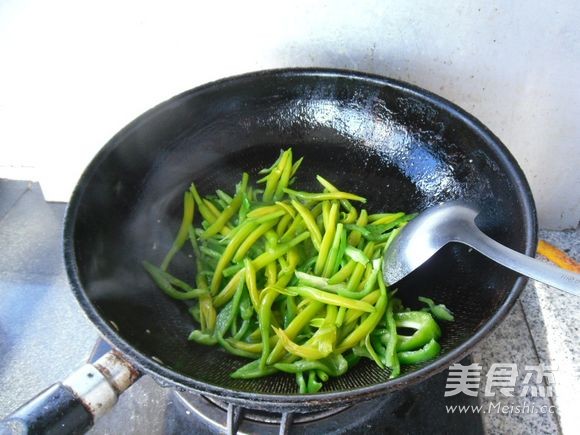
pixel 276 418
pixel 221 417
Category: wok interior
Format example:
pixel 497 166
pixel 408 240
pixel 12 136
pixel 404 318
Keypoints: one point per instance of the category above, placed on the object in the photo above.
pixel 399 149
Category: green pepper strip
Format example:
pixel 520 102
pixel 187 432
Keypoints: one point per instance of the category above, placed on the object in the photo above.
pixel 271 273
pixel 268 299
pixel 232 270
pixel 233 350
pixel 220 203
pixel 251 284
pixel 179 283
pixel 295 166
pixel 324 195
pixel 391 359
pixel 325 337
pixel 327 239
pixel 356 255
pixel 271 268
pixel 212 209
pixel 246 308
pixel 367 325
pixel 323 376
pixel 268 170
pixel 376 216
pixel 290 312
pixel 263 211
pixel 372 352
pixel 255 348
pixel 201 205
pixel 273 177
pixel 333 365
pixel 440 311
pixel 359 269
pixel 207 314
pixel 244 208
pixel 228 291
pixel 252 239
pixel 243 330
pixel 310 223
pixel 313 385
pixel 255 336
pixel 164 283
pixel 202 337
pixel 287 207
pixel 353 315
pixel 269 217
pixel 350 217
pixel 319 282
pixel 294 227
pixel 195 247
pixel 296 325
pixel 267 257
pixel 187 220
pixel 258 263
pixel 302 389
pixel 343 273
pixel 340 317
pixel 392 236
pixel 253 370
pixel 210 252
pixel 340 289
pixel 228 313
pixel 325 214
pixel 354 237
pixel 283 225
pixel 379 233
pixel 331 188
pixel 427 352
pixel 285 177
pixel 369 284
pixel 224 196
pixel 207 311
pixel 333 252
pixel 245 229
pixel 330 299
pixel 304 351
pixel 340 253
pixel 426 329
pixel 265 309
pixel 391 217
pixel 242 186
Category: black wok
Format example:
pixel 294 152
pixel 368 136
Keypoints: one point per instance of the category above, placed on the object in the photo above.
pixel 400 146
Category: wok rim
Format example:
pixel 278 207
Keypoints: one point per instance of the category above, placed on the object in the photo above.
pixel 168 377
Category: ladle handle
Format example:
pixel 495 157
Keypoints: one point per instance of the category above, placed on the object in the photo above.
pixel 528 266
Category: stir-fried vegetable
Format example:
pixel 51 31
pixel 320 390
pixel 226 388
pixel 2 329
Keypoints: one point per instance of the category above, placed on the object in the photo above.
pixel 293 280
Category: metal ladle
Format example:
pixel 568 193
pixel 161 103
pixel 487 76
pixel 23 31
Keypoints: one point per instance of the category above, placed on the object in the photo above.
pixel 454 221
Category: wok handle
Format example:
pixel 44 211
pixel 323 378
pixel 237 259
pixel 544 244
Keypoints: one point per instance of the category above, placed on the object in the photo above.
pixel 73 405
pixel 528 266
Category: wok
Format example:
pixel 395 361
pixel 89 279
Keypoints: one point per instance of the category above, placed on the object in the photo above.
pixel 401 147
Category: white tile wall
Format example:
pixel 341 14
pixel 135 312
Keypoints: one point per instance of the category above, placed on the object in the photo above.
pixel 73 73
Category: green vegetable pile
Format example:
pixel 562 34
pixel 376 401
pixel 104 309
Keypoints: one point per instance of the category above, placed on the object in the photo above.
pixel 293 280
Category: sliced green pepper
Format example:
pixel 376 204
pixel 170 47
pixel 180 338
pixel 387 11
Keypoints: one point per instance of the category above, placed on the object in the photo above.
pixel 427 352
